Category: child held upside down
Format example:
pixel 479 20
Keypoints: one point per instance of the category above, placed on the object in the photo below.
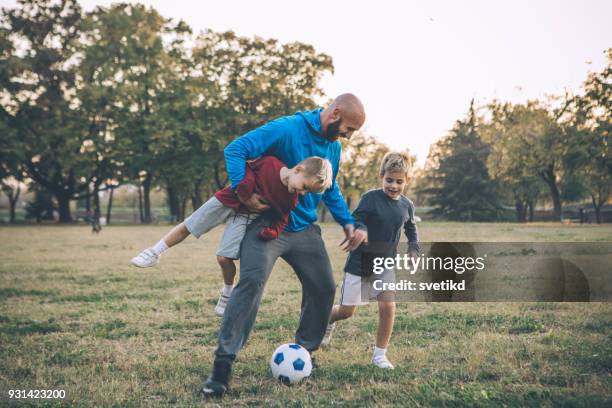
pixel 278 185
pixel 383 213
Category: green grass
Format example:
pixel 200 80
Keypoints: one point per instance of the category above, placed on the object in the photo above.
pixel 75 316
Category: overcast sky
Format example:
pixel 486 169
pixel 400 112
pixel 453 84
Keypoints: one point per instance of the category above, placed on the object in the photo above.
pixel 416 65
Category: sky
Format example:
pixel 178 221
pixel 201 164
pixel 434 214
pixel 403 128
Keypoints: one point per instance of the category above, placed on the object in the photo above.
pixel 416 65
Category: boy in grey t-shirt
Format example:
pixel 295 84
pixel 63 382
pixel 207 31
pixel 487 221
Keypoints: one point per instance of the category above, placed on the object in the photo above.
pixel 383 213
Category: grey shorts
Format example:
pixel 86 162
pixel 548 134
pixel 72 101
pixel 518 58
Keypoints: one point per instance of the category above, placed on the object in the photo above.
pixel 358 290
pixel 213 213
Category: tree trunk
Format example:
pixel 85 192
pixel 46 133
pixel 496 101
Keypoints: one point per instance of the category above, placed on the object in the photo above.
pixel 88 201
pixel 109 206
pixel 13 198
pixel 96 202
pixel 146 195
pixel 597 209
pixel 183 207
pixel 549 177
pixel 63 204
pixel 196 197
pixel 217 172
pixel 520 209
pixel 556 197
pixel 173 202
pixel 531 205
pixel 140 212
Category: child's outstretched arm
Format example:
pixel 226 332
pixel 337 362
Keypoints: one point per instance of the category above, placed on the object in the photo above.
pixel 411 231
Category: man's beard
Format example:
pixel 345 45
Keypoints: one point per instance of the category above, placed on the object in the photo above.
pixel 333 130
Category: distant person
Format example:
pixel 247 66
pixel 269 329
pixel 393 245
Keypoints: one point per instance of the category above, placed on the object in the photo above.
pixel 94 220
pixel 383 213
pixel 266 178
pixel 291 139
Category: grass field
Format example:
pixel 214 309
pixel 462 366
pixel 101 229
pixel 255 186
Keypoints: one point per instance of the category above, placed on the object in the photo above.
pixel 75 316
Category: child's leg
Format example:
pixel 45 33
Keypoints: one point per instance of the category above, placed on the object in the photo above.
pixel 341 312
pixel 150 256
pixel 208 216
pixel 176 235
pixel 228 269
pixel 386 317
pixel 229 250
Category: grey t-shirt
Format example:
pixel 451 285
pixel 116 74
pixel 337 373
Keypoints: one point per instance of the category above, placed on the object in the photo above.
pixel 383 218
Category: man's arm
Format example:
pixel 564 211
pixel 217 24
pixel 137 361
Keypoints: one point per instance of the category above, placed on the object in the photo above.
pixel 337 206
pixel 252 145
pixel 333 197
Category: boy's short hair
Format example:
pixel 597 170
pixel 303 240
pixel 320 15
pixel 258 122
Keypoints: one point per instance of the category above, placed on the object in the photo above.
pixel 395 162
pixel 321 170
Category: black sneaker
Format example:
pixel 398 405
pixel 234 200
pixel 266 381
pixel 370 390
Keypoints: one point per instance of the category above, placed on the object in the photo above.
pixel 217 383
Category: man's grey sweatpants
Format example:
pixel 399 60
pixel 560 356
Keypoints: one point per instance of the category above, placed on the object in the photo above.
pixel 305 252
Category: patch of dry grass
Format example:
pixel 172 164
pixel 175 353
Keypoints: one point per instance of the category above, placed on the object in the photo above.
pixel 75 315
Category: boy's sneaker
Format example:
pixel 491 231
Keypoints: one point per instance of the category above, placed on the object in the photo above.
pixel 328 334
pixel 382 362
pixel 221 304
pixel 217 383
pixel 146 259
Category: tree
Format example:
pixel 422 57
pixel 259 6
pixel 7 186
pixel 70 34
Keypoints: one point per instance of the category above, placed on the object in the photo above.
pixel 591 126
pixel 359 170
pixel 38 84
pixel 249 81
pixel 504 162
pixel 529 141
pixel 459 183
pixel 129 61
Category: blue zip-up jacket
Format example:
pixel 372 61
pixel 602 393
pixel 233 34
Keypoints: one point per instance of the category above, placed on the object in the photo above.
pixel 292 139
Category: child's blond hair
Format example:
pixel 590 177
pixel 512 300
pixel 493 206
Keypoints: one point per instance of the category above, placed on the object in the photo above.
pixel 321 170
pixel 395 162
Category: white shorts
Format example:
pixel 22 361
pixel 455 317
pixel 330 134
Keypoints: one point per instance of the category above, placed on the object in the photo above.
pixel 358 290
pixel 213 213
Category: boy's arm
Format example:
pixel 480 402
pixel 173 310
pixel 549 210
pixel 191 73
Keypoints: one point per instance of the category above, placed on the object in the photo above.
pixel 410 229
pixel 274 230
pixel 282 211
pixel 252 145
pixel 246 188
pixel 362 212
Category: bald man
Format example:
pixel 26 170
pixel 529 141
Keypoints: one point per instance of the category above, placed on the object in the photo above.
pixel 291 139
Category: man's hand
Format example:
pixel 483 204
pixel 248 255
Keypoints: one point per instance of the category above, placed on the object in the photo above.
pixel 353 238
pixel 255 203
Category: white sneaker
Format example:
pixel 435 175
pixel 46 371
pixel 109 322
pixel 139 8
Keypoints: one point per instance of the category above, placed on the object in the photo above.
pixel 221 304
pixel 146 259
pixel 328 334
pixel 382 362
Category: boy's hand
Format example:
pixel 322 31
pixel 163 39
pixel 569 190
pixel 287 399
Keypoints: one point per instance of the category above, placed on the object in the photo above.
pixel 353 238
pixel 267 234
pixel 255 203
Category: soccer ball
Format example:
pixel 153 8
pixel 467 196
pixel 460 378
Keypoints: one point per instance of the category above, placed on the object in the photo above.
pixel 290 363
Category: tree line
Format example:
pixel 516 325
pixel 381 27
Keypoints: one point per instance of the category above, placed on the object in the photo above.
pixel 521 153
pixel 122 95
